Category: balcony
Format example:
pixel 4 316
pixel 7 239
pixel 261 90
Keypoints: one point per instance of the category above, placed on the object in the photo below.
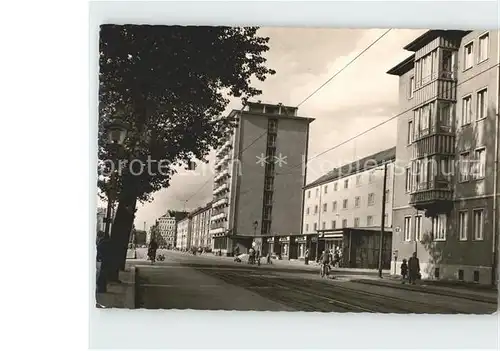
pixel 432 144
pixel 434 196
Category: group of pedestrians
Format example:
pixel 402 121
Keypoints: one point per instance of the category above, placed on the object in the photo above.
pixel 411 271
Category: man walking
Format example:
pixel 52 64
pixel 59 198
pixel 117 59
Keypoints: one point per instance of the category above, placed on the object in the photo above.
pixel 413 268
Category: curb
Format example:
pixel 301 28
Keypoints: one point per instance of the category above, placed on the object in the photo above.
pixel 131 290
pixel 429 289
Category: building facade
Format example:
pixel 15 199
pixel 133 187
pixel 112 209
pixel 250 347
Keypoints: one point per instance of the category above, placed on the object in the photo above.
pixel 200 228
pixel 183 234
pixel 446 201
pixel 343 210
pixel 167 231
pixel 259 177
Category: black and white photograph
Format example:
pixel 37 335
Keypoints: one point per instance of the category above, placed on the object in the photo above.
pixel 297 169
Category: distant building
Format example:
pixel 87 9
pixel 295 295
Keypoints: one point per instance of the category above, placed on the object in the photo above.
pixel 183 240
pixel 200 227
pixel 259 177
pixel 446 204
pixel 167 230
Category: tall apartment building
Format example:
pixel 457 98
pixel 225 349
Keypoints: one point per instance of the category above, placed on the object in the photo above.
pixel 446 202
pixel 200 227
pixel 167 230
pixel 343 209
pixel 183 234
pixel 259 177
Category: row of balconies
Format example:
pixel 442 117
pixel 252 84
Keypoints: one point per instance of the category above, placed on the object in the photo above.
pixel 221 202
pixel 226 146
pixel 220 189
pixel 222 161
pixel 221 175
pixel 219 230
pixel 218 217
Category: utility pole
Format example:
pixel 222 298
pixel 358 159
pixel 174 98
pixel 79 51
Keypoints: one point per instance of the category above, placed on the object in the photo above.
pixel 382 226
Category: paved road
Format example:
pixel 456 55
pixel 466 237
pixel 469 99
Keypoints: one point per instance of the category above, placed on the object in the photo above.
pixel 184 281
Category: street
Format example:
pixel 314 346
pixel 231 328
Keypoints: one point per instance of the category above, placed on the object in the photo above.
pixel 185 281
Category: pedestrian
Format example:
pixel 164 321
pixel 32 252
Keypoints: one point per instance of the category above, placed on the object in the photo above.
pixel 306 257
pixel 102 259
pixel 413 268
pixel 153 246
pixel 269 258
pixel 404 271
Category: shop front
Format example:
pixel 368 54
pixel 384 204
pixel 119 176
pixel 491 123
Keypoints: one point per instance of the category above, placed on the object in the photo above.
pixel 285 248
pixel 301 247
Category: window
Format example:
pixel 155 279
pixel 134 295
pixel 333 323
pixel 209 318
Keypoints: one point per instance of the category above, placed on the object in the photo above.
pixel 466 110
pixel 387 197
pixel 369 220
pixel 418 227
pixel 346 183
pixel 371 176
pixel 448 71
pixel 482 104
pixel 478 216
pixel 344 223
pixel 462 225
pixel 445 116
pixel 334 206
pixel 412 86
pixel 358 180
pixel 371 199
pixel 325 207
pixel 317 192
pixel 315 226
pixel 323 225
pixel 386 220
pixel 326 189
pixel 439 227
pixel 335 187
pixel 307 228
pixel 468 55
pixel 464 167
pixel 356 222
pixel 334 224
pixel 344 204
pixel 315 209
pixel 307 211
pixel 408 180
pixel 484 43
pixel 309 194
pixel 410 132
pixel 407 229
pixel 479 163
pixel 357 201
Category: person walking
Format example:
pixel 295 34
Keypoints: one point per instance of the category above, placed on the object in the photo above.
pixel 153 246
pixel 404 271
pixel 413 268
pixel 306 257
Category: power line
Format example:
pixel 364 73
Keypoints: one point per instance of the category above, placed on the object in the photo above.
pixel 380 124
pixel 343 68
pixel 307 98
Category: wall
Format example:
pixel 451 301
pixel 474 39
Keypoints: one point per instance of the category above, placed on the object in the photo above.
pixel 353 191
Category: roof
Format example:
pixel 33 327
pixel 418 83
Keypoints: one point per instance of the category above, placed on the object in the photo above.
pixel 206 207
pixel 360 165
pixel 432 34
pixel 272 110
pixel 403 67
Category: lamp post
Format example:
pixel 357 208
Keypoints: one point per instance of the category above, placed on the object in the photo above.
pixel 382 226
pixel 117 131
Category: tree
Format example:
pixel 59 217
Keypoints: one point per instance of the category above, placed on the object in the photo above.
pixel 170 85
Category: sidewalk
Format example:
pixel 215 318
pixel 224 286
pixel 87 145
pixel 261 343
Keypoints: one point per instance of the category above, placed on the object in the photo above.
pixel 444 288
pixel 120 295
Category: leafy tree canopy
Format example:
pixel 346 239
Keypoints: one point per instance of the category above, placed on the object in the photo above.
pixel 169 83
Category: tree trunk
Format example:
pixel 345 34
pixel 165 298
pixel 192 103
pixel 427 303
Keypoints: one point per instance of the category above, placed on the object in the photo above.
pixel 120 234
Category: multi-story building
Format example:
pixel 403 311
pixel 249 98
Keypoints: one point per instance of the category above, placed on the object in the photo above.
pixel 167 230
pixel 259 178
pixel 200 227
pixel 345 208
pixel 183 234
pixel 446 202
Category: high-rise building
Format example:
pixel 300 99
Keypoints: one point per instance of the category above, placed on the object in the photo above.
pixel 446 200
pixel 259 175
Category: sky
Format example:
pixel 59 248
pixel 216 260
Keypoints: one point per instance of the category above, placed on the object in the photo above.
pixel 361 96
